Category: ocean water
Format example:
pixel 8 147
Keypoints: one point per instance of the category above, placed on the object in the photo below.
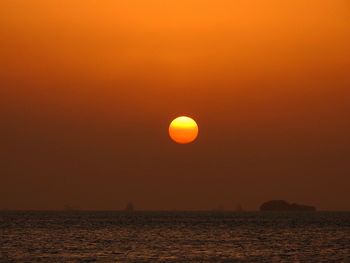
pixel 174 237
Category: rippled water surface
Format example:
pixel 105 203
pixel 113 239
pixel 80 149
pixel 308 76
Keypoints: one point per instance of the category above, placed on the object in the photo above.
pixel 174 237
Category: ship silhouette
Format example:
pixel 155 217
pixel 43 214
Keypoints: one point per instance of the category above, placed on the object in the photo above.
pixel 129 207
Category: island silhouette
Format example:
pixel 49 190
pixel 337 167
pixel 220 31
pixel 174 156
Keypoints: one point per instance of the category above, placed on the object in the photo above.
pixel 282 205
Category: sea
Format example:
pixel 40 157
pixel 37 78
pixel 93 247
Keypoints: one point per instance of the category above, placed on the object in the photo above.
pixel 82 236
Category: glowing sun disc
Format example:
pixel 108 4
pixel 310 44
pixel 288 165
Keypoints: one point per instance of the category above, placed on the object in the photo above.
pixel 183 130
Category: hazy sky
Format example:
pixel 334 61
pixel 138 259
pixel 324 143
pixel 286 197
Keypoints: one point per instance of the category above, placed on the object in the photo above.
pixel 88 89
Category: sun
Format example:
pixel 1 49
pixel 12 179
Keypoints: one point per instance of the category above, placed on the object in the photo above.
pixel 183 130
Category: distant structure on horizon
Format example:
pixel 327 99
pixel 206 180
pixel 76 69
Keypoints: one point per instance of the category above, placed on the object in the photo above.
pixel 129 207
pixel 282 205
pixel 239 208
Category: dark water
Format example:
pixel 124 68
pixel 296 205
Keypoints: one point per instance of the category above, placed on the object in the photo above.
pixel 174 237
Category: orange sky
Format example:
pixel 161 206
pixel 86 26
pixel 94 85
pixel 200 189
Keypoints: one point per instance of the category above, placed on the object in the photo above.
pixel 88 89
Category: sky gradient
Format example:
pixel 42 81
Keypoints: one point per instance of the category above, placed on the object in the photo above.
pixel 88 89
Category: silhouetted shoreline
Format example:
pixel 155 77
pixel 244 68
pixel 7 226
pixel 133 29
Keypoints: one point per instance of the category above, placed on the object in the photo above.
pixel 282 205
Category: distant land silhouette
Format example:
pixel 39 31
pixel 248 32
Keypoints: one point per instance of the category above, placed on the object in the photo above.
pixel 282 205
pixel 71 208
pixel 219 208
